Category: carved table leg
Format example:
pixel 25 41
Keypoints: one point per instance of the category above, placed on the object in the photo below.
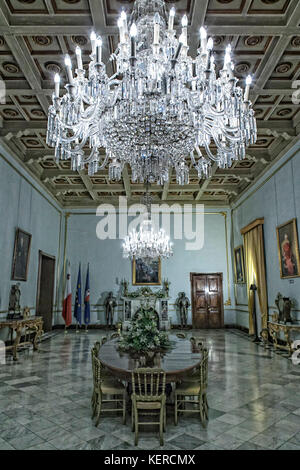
pixel 37 336
pixel 17 342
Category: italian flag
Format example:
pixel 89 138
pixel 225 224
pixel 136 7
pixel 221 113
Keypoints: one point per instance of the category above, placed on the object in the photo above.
pixel 67 303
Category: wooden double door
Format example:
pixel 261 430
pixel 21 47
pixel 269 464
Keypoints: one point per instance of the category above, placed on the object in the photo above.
pixel 207 300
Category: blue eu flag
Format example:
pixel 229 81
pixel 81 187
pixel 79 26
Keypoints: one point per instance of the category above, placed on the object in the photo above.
pixel 78 300
pixel 87 307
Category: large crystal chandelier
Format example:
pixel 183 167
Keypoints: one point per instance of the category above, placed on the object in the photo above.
pixel 161 110
pixel 147 243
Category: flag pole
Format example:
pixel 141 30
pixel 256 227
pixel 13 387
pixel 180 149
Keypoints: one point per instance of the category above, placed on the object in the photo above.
pixel 86 328
pixel 77 331
pixel 66 330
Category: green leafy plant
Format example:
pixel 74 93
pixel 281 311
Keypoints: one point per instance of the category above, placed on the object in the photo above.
pixel 144 336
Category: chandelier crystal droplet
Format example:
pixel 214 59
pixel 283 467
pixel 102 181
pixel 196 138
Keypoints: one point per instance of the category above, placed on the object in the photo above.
pixel 161 110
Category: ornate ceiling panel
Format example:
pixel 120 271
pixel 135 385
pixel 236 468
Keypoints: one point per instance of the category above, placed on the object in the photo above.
pixel 35 34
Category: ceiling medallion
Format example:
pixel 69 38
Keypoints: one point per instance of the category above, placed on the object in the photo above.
pixel 42 40
pixel 284 112
pixel 79 40
pixel 37 113
pixel 52 67
pixel 296 41
pixel 284 67
pixel 253 40
pixel 159 109
pixel 242 68
pixel 11 68
pixel 10 113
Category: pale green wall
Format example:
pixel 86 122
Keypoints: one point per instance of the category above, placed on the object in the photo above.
pixel 107 267
pixel 23 206
pixel 276 198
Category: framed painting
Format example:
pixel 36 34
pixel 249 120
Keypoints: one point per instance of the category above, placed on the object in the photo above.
pixel 288 249
pixel 21 255
pixel 146 272
pixel 239 265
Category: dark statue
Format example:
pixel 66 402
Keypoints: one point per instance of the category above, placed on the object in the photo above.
pixel 183 304
pixel 284 305
pixel 14 299
pixel 110 305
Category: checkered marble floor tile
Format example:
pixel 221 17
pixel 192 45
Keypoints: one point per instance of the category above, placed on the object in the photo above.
pixel 254 399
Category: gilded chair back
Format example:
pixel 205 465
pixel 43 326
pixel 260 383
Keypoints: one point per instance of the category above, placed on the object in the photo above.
pixel 197 344
pixel 148 384
pixel 203 370
pixel 103 340
pixel 94 354
pixel 181 335
pixel 114 335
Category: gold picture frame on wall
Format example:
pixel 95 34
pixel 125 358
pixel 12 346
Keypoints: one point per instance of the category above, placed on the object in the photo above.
pixel 239 265
pixel 21 255
pixel 288 249
pixel 146 273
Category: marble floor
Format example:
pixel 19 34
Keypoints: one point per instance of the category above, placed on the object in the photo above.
pixel 254 398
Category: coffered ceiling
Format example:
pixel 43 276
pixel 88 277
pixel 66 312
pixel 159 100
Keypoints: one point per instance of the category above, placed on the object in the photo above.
pixel 35 35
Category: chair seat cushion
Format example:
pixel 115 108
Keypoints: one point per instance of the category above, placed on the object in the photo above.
pixel 112 387
pixel 188 388
pixel 148 405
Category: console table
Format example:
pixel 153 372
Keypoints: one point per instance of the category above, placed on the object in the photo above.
pixel 276 328
pixel 27 326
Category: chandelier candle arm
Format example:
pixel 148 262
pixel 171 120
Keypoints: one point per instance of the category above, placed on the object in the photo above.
pixel 162 106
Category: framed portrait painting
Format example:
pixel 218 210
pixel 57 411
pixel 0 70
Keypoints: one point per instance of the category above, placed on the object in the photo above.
pixel 239 265
pixel 21 255
pixel 146 272
pixel 288 249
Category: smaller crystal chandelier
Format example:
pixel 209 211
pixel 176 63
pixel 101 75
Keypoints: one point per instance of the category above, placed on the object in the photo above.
pixel 147 243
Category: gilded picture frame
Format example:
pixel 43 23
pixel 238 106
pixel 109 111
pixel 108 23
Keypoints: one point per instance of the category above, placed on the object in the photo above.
pixel 21 255
pixel 146 273
pixel 239 265
pixel 288 249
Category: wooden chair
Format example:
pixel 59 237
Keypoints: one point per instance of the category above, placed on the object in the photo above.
pixel 103 386
pixel 114 335
pixel 148 397
pixel 103 340
pixel 181 335
pixel 195 387
pixel 94 353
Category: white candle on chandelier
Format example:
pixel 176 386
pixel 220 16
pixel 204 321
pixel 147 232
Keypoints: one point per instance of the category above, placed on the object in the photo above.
pixel 122 32
pixel 171 18
pixel 99 50
pixel 247 90
pixel 203 35
pixel 93 38
pixel 227 61
pixel 124 21
pixel 184 23
pixel 156 28
pixel 79 58
pixel 57 85
pixel 68 65
pixel 210 46
pixel 133 33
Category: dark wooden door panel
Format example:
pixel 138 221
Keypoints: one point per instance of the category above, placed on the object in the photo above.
pixel 45 289
pixel 207 300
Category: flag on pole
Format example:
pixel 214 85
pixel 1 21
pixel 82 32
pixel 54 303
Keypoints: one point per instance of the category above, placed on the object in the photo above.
pixel 78 300
pixel 87 308
pixel 67 303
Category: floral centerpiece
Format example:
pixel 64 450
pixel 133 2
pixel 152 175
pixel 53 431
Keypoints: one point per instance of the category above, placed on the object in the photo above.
pixel 144 335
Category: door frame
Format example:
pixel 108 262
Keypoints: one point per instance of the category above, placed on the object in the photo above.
pixel 222 298
pixel 46 255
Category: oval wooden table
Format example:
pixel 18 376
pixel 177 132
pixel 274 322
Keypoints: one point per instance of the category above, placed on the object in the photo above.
pixel 177 362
